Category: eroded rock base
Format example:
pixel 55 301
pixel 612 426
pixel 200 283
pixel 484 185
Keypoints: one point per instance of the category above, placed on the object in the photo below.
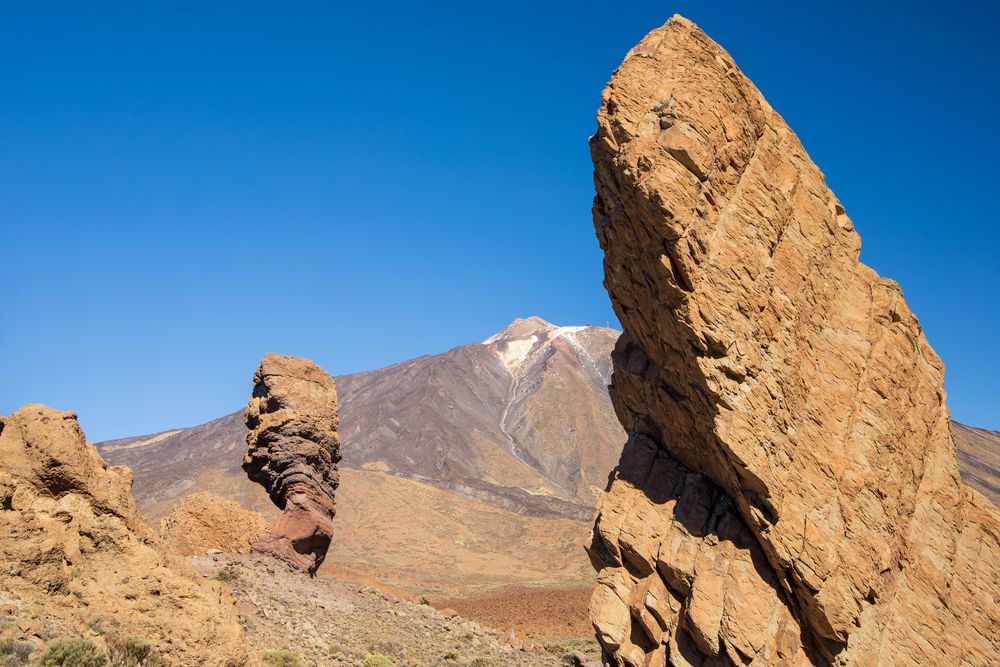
pixel 681 579
pixel 302 534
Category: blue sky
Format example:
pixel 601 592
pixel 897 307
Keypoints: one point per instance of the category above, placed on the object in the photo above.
pixel 185 186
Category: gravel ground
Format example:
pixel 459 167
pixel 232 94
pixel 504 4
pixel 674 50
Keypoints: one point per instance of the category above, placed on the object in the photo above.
pixel 342 624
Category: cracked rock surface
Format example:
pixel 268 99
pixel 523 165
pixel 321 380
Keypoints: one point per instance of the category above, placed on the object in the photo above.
pixel 789 492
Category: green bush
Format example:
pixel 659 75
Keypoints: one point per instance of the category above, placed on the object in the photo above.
pixel 390 648
pixel 281 658
pixel 131 651
pixel 556 648
pixel 228 574
pixel 72 653
pixel 14 653
pixel 378 660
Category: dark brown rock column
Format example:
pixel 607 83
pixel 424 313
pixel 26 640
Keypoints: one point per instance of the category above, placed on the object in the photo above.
pixel 293 450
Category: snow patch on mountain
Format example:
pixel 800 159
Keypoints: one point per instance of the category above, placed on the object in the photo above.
pixel 513 352
pixel 565 331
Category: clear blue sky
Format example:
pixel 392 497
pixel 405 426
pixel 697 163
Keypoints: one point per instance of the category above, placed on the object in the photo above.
pixel 185 186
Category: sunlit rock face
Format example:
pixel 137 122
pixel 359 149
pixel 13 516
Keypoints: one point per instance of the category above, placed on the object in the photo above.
pixel 75 554
pixel 789 492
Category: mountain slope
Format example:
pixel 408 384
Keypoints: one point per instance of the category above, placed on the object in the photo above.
pixel 168 465
pixel 521 421
pixel 979 459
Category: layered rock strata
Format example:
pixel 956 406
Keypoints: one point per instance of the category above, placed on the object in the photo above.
pixel 293 449
pixel 789 492
pixel 76 559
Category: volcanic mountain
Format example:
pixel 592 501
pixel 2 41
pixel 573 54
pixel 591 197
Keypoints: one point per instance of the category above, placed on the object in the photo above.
pixel 979 459
pixel 493 453
pixel 521 421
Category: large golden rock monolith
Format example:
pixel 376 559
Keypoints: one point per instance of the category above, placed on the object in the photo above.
pixel 789 491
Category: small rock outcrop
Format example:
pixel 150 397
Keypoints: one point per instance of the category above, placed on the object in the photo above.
pixel 76 559
pixel 293 450
pixel 203 521
pixel 789 492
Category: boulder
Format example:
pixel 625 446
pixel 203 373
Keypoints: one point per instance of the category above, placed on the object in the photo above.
pixel 206 523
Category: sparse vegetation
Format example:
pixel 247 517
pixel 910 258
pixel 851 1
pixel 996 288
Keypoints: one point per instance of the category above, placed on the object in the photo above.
pixel 378 660
pixel 391 648
pixel 77 652
pixel 227 574
pixel 346 653
pixel 14 653
pixel 281 658
pixel 131 651
pixel 557 648
pixel 424 599
pixel 481 662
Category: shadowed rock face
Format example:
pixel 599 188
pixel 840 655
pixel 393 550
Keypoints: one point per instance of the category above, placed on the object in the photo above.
pixel 789 492
pixel 292 450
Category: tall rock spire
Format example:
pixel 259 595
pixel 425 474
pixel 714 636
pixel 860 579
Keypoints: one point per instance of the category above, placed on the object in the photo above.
pixel 293 449
pixel 789 491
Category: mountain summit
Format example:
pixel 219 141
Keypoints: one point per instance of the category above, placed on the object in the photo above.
pixel 520 421
pixel 520 343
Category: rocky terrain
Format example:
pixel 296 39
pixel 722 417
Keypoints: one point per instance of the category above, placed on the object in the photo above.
pixel 82 574
pixel 789 491
pixel 77 559
pixel 293 449
pixel 341 624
